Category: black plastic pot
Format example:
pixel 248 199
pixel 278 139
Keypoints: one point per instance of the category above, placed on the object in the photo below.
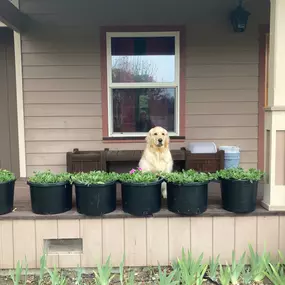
pixel 96 199
pixel 239 196
pixel 51 198
pixel 141 199
pixel 187 199
pixel 7 197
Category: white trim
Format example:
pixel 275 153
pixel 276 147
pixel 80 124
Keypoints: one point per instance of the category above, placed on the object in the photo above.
pixel 138 85
pixel 20 104
pixel 2 25
pixel 128 85
pixel 115 135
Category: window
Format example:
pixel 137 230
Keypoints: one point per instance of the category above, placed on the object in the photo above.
pixel 142 82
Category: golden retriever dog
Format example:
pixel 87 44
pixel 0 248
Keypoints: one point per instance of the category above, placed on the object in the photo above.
pixel 157 156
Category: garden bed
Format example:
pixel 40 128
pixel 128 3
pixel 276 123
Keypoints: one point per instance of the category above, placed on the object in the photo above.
pixel 248 269
pixel 143 276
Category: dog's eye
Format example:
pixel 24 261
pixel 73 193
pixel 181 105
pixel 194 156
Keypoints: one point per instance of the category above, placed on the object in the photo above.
pixel 155 134
pixel 163 134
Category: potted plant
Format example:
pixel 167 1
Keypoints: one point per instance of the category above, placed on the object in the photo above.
pixel 141 192
pixel 239 188
pixel 95 192
pixel 187 191
pixel 7 185
pixel 50 193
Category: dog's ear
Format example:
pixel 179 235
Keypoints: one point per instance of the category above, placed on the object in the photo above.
pixel 148 137
pixel 166 142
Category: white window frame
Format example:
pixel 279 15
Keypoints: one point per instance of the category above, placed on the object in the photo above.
pixel 175 84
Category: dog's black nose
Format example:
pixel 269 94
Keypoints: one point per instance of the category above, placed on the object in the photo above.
pixel 160 140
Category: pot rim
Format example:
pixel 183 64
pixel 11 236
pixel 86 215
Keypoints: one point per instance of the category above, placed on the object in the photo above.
pixel 95 185
pixel 8 182
pixel 190 183
pixel 46 185
pixel 237 180
pixel 142 183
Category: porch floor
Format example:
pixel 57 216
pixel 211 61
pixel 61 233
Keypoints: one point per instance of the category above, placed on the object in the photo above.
pixel 22 208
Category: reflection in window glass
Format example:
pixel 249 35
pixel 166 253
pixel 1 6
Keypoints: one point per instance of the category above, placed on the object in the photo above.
pixel 150 59
pixel 138 110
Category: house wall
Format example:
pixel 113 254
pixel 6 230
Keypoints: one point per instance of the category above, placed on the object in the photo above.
pixel 62 83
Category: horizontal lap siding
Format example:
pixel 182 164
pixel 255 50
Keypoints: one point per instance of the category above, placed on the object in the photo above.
pixel 222 96
pixel 62 95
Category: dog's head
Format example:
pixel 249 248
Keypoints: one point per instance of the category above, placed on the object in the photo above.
pixel 158 138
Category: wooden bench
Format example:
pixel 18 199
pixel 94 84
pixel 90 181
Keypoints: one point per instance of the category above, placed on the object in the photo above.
pixel 125 160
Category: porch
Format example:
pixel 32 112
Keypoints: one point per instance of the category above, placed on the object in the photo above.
pixel 62 104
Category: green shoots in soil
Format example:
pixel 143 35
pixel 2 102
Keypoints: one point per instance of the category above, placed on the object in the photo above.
pixel 47 177
pixel 104 275
pixel 258 264
pixel 213 267
pixel 165 279
pixel 6 176
pixel 94 177
pixel 225 275
pixel 239 173
pixel 188 176
pixel 56 278
pixel 237 268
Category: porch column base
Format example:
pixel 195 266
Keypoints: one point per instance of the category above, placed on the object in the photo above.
pixel 274 197
pixel 268 207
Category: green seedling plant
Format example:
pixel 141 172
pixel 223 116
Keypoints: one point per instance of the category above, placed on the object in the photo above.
pixel 190 269
pixel 43 264
pixel 48 177
pixel 165 279
pixel 122 264
pixel 26 271
pixel 258 264
pixel 236 268
pixel 239 173
pixel 15 275
pixel 131 278
pixel 94 177
pixel 104 275
pixel 275 273
pixel 200 276
pixel 6 176
pixel 79 272
pixel 213 267
pixel 55 277
pixel 225 275
pixel 188 176
pixel 246 276
pixel 138 176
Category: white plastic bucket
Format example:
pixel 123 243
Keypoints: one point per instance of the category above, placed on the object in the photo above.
pixel 232 156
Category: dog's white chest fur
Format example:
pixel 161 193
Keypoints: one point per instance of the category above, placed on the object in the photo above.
pixel 156 161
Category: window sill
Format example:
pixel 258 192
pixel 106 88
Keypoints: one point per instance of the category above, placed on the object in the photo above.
pixel 137 139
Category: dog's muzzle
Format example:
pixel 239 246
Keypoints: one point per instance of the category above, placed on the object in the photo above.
pixel 159 142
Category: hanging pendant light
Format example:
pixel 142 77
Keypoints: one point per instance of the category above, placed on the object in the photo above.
pixel 239 18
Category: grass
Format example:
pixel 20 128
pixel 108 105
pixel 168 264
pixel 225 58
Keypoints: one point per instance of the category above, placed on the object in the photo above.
pixel 186 270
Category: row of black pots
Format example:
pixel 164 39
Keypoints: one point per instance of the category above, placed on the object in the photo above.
pixel 137 199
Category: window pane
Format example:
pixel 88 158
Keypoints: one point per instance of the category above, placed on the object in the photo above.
pixel 138 110
pixel 150 59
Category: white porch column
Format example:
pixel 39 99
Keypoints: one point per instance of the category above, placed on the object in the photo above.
pixel 274 190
